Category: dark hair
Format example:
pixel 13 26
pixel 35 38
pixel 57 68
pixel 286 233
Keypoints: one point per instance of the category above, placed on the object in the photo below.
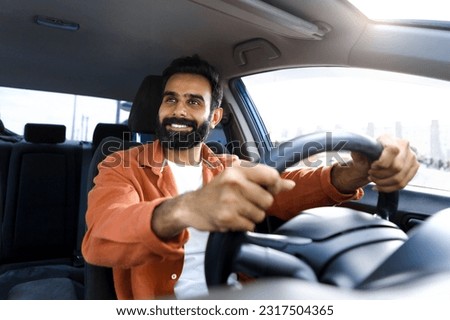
pixel 195 65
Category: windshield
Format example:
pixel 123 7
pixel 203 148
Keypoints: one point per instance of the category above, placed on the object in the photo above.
pixel 300 101
pixel 422 10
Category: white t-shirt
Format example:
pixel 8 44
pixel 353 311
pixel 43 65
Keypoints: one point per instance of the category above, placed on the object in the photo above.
pixel 192 282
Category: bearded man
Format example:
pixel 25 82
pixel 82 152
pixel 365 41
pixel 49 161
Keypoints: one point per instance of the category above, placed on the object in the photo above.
pixel 149 220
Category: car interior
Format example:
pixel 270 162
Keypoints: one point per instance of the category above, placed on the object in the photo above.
pixel 384 246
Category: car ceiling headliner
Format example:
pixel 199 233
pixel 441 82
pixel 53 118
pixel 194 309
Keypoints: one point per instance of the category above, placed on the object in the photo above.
pixel 120 42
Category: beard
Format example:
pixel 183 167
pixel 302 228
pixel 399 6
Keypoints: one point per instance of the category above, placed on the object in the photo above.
pixel 181 140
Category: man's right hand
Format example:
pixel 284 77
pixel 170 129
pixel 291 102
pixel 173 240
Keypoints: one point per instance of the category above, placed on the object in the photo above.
pixel 235 200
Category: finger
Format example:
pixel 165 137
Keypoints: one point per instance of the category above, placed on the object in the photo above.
pixel 240 224
pixel 237 185
pixel 393 149
pixel 396 182
pixel 267 177
pixel 406 162
pixel 387 158
pixel 239 217
pixel 359 158
pixel 260 174
pixel 252 212
pixel 401 179
pixel 281 186
pixel 389 185
pixel 383 173
pixel 393 159
pixel 255 194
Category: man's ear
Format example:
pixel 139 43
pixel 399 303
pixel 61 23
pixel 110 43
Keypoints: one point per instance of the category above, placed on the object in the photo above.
pixel 216 117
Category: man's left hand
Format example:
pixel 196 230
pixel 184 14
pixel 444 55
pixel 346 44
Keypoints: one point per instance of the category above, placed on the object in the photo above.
pixel 396 166
pixel 394 169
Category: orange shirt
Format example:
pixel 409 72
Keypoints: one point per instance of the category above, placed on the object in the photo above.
pixel 128 187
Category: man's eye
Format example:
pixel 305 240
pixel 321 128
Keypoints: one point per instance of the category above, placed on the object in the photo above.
pixel 194 102
pixel 170 100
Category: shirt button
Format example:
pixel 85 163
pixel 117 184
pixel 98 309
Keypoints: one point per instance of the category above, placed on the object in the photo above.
pixel 173 276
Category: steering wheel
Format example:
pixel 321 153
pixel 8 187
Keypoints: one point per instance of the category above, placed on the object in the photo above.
pixel 222 248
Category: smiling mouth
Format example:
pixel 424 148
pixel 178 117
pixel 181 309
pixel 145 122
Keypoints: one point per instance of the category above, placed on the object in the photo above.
pixel 178 127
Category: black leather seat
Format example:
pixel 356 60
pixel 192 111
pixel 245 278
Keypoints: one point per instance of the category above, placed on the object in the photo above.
pixel 42 196
pixel 6 145
pixel 40 221
pixel 104 130
pixel 99 283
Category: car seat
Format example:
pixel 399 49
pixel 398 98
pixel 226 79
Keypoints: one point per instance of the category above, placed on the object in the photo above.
pixel 39 224
pixel 99 283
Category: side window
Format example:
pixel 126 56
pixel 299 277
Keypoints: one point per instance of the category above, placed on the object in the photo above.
pixel 80 114
pixel 299 101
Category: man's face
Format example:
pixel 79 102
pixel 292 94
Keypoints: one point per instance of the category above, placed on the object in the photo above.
pixel 185 118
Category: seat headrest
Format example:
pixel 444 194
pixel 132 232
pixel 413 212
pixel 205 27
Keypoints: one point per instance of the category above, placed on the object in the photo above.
pixel 2 126
pixel 144 111
pixel 44 133
pixel 103 130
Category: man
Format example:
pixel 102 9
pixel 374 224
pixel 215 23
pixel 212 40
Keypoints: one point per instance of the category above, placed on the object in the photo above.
pixel 142 213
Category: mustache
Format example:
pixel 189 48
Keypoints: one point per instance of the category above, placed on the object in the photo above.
pixel 179 121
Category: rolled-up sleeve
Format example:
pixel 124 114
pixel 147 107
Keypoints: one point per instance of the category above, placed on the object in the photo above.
pixel 313 188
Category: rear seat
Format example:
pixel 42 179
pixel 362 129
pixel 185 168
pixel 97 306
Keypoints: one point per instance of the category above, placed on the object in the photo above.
pixel 5 154
pixel 7 141
pixel 43 224
pixel 40 221
pixel 42 197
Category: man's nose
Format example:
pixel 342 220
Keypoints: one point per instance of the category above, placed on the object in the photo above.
pixel 180 110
